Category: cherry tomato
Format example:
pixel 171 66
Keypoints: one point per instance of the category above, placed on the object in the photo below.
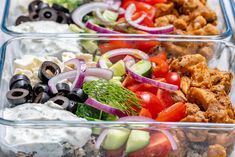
pixel 145 112
pixel 129 81
pixel 152 2
pixel 143 87
pixel 159 146
pixel 114 153
pixel 173 113
pixel 161 55
pixel 141 6
pixel 161 67
pixel 165 97
pixel 150 102
pixel 173 78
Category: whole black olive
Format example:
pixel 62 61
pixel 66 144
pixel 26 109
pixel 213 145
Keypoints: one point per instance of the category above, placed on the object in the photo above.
pixel 63 88
pixel 48 14
pixel 78 95
pixel 60 8
pixel 41 98
pixel 18 96
pixel 17 78
pixel 22 84
pixel 62 18
pixel 72 107
pixel 61 100
pixel 48 70
pixel 34 6
pixel 39 88
pixel 33 16
pixel 22 19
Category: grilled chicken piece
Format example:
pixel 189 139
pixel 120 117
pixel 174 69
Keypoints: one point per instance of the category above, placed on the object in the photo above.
pixel 202 97
pixel 199 116
pixel 216 151
pixel 223 78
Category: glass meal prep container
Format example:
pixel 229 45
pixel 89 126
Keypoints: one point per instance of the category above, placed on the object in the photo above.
pixel 22 136
pixel 15 8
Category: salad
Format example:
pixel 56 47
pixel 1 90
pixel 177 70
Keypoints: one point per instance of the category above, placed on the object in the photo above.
pixel 130 84
pixel 117 17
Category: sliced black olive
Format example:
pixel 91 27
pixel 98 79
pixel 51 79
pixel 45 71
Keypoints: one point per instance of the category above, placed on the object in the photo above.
pixel 34 6
pixel 72 107
pixel 41 98
pixel 62 18
pixel 33 16
pixel 61 100
pixel 42 6
pixel 63 88
pixel 39 88
pixel 60 8
pixel 22 84
pixel 17 78
pixel 48 70
pixel 78 95
pixel 48 14
pixel 22 19
pixel 18 96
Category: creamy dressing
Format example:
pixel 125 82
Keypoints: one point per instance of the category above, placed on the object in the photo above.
pixel 45 141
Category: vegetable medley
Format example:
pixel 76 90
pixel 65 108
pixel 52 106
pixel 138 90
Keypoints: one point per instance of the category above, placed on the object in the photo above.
pixel 127 84
pixel 128 16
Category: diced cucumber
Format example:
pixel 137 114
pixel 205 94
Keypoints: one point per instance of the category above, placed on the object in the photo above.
pixel 138 139
pixel 110 15
pixel 117 80
pixel 118 68
pixel 89 45
pixel 116 138
pixel 143 67
pixel 76 29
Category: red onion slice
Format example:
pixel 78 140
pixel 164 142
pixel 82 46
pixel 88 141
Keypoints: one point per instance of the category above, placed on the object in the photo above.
pixel 80 66
pixel 140 78
pixel 103 107
pixel 94 72
pixel 99 29
pixel 158 30
pixel 122 51
pixel 83 10
pixel 101 138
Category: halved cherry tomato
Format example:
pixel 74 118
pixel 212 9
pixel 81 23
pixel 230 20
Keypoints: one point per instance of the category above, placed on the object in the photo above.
pixel 143 87
pixel 165 97
pixel 145 112
pixel 150 102
pixel 173 113
pixel 152 2
pixel 173 78
pixel 161 67
pixel 114 153
pixel 161 55
pixel 129 81
pixel 159 146
pixel 141 6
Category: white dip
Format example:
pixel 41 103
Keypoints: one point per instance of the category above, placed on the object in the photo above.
pixel 46 142
pixel 41 27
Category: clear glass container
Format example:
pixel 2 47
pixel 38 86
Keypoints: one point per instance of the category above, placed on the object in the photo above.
pixel 15 8
pixel 24 137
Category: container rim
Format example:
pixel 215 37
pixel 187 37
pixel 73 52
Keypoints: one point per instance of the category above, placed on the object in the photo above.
pixel 225 35
pixel 43 123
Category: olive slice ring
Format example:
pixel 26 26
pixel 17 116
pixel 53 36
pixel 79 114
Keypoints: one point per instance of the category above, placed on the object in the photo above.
pixel 48 70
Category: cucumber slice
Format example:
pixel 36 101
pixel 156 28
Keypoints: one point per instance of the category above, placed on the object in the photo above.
pixel 75 28
pixel 143 67
pixel 116 138
pixel 118 68
pixel 138 139
pixel 89 45
pixel 110 15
